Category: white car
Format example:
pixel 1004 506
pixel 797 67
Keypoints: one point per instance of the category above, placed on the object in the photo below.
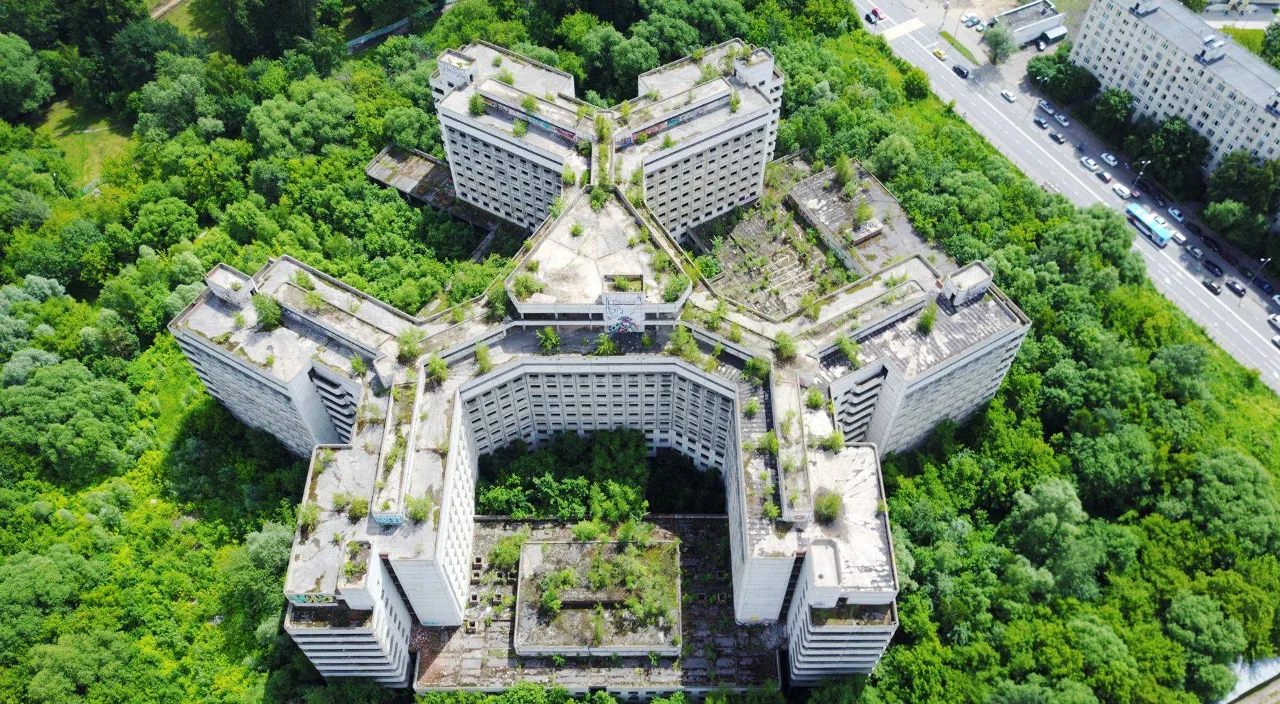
pixel 1008 95
pixel 1046 106
pixel 1062 119
pixel 1177 215
pixel 1121 190
pixel 1089 164
pixel 1274 320
pixel 1111 160
pixel 1276 300
pixel 1276 340
pixel 1178 238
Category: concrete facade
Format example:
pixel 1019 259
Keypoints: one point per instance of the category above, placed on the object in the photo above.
pixel 1176 65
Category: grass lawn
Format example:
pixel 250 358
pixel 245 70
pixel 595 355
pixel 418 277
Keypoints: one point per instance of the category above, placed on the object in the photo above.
pixel 87 136
pixel 1250 39
pixel 200 18
pixel 961 48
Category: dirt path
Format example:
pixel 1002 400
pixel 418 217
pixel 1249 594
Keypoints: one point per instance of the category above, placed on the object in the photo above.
pixel 166 8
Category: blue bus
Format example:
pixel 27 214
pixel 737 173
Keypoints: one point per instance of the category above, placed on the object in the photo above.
pixel 1145 222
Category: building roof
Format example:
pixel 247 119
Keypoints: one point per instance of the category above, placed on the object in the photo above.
pixel 1240 68
pixel 1030 13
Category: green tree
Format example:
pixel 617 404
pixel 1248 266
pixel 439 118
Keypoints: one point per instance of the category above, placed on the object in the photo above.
pixel 24 84
pixel 915 84
pixel 1111 113
pixel 999 40
pixel 1243 178
pixel 1061 79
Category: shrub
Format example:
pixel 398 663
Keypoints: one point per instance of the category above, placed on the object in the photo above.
pixel 505 553
pixel 303 280
pixel 667 142
pixel 475 105
pixel 409 345
pixel 524 285
pixel 437 369
pixel 268 310
pixel 605 346
pixel 341 500
pixel 674 288
pixel 826 508
pixel 708 266
pixel 833 442
pixel 576 229
pixel 505 76
pixel 784 347
pixel 308 517
pixel 771 511
pixel 844 170
pixel 925 325
pixel 735 101
pixel 568 177
pixel 312 302
pixel 599 196
pixel 358 509
pixel 813 398
pixel 849 348
pixel 735 332
pixel 757 368
pixel 519 128
pixel 768 444
pixel 752 407
pixel 418 508
pixel 482 359
pixel 529 104
pixel 358 365
pixel 549 340
pixel 589 530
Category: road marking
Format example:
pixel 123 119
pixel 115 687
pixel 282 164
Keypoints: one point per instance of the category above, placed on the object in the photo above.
pixel 897 30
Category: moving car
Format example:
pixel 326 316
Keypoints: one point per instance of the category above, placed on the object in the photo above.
pixel 1062 119
pixel 1212 244
pixel 1212 286
pixel 1106 177
pixel 1089 164
pixel 1177 215
pixel 1213 267
pixel 1276 340
pixel 1274 320
pixel 1107 157
pixel 1041 122
pixel 1178 238
pixel 960 71
pixel 1120 190
pixel 1236 287
pixel 869 18
pixel 876 11
pixel 1057 138
pixel 1008 95
pixel 1137 193
pixel 1195 252
pixel 942 55
pixel 1047 107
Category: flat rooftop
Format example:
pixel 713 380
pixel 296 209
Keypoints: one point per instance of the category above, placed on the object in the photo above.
pixel 579 268
pixel 1241 69
pixel 714 651
pixel 686 72
pixel 703 108
pixel 1029 14
pixel 860 536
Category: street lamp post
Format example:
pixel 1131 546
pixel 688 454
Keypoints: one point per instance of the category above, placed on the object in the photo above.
pixel 1263 263
pixel 1142 166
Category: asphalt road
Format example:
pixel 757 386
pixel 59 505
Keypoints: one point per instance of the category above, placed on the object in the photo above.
pixel 1238 325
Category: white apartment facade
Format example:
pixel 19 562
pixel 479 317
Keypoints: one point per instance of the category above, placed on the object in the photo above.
pixel 1176 65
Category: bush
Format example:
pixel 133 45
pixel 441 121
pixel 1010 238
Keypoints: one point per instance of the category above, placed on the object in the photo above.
pixel 308 517
pixel 826 508
pixel 269 312
pixel 752 407
pixel 784 347
pixel 814 398
pixel 437 369
pixel 524 285
pixel 927 318
pixel 505 554
pixel 475 105
pixel 483 361
pixel 606 346
pixel 418 508
pixel 833 442
pixel 409 345
pixel 358 509
pixel 674 288
pixel 549 340
pixel 599 196
pixel 757 368
pixel 849 349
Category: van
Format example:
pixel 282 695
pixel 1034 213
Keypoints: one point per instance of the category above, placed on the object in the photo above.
pixel 1178 238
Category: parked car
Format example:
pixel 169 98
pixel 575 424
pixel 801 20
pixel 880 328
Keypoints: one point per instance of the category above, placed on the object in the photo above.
pixel 1057 138
pixel 972 21
pixel 1089 164
pixel 1276 300
pixel 1212 286
pixel 1178 238
pixel 960 71
pixel 878 14
pixel 1266 287
pixel 1062 119
pixel 1195 252
pixel 1194 228
pixel 1008 95
pixel 1136 193
pixel 1213 267
pixel 1276 341
pixel 1274 320
pixel 1039 45
pixel 1106 177
pixel 993 21
pixel 1158 201
pixel 869 18
pixel 1212 244
pixel 1041 122
pixel 1177 215
pixel 1108 158
pixel 1236 287
pixel 1120 190
pixel 1047 107
pixel 980 28
pixel 1230 258
pixel 942 55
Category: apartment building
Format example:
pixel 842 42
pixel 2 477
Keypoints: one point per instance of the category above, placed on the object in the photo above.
pixel 698 134
pixel 911 376
pixel 511 130
pixel 1176 65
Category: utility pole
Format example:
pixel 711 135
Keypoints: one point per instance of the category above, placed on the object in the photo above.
pixel 1142 166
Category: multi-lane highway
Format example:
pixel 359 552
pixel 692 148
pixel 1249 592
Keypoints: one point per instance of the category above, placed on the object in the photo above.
pixel 1239 325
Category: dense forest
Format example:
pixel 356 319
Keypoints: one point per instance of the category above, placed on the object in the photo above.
pixel 1107 531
